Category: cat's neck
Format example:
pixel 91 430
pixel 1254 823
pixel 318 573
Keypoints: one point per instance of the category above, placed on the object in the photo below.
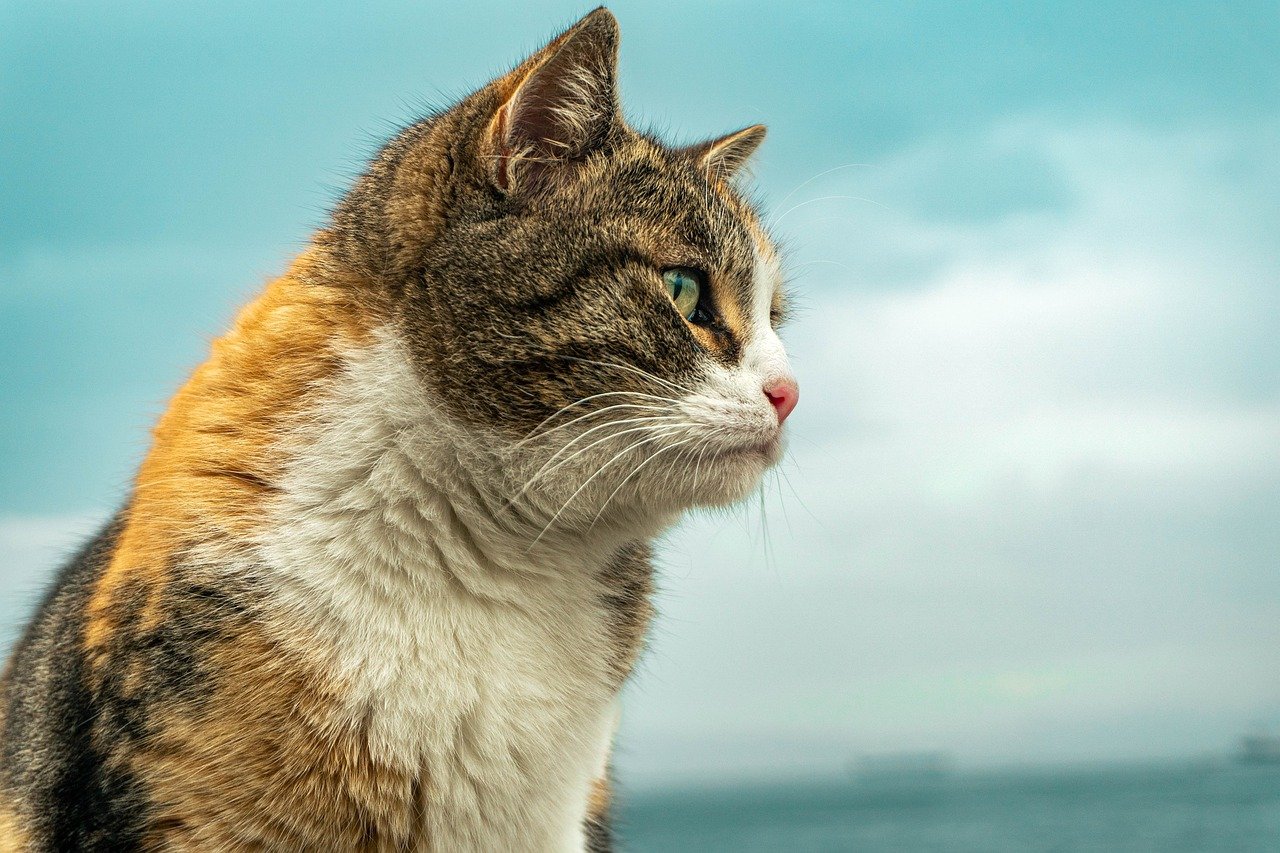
pixel 388 559
pixel 376 470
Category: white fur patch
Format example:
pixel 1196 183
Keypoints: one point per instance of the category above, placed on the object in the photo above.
pixel 488 676
pixel 732 400
pixel 765 356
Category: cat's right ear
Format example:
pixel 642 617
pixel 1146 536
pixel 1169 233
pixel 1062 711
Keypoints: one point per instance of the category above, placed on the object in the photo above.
pixel 559 105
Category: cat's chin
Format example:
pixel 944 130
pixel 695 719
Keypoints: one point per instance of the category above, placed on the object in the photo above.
pixel 733 474
pixel 719 480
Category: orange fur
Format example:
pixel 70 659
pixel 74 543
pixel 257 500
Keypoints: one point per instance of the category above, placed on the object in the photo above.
pixel 734 315
pixel 215 456
pixel 599 800
pixel 12 838
pixel 286 746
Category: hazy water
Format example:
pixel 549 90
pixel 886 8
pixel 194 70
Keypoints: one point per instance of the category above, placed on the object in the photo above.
pixel 1149 809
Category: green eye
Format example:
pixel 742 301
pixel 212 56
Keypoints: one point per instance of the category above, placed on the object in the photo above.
pixel 685 288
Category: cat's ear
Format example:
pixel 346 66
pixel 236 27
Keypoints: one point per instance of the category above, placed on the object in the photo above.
pixel 728 154
pixel 557 106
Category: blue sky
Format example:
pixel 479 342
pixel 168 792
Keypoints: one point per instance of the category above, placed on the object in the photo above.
pixel 1032 507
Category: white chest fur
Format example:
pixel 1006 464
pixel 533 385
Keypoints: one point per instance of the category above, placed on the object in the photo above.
pixel 490 679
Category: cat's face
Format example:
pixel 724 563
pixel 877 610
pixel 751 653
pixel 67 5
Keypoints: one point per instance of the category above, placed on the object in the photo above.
pixel 598 309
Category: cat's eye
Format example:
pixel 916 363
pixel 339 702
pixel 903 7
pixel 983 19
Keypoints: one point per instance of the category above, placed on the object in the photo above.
pixel 685 288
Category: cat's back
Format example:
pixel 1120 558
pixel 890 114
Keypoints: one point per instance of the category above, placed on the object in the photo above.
pixel 55 782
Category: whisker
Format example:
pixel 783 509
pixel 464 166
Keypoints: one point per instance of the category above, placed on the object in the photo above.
pixel 563 409
pixel 649 421
pixel 806 183
pixel 586 483
pixel 637 470
pixel 697 472
pixel 777 486
pixel 592 413
pixel 796 269
pixel 781 470
pixel 770 560
pixel 774 223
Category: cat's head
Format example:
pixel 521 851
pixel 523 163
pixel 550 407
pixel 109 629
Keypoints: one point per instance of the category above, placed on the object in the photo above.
pixel 594 308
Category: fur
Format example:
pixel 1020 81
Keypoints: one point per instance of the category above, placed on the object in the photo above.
pixel 386 566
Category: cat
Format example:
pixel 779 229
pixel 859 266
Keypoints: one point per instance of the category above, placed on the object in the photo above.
pixel 386 565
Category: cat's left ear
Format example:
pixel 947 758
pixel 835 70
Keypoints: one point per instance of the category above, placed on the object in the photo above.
pixel 726 155
pixel 557 106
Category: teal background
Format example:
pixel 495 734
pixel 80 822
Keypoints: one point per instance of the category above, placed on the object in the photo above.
pixel 1030 513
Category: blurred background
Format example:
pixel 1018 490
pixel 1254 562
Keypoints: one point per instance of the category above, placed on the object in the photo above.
pixel 1017 582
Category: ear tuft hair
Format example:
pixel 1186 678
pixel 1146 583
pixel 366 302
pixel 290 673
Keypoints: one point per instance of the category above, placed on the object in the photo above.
pixel 563 104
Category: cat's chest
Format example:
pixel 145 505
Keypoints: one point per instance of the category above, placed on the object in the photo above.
pixel 455 660
pixel 503 707
pixel 443 674
pixel 507 716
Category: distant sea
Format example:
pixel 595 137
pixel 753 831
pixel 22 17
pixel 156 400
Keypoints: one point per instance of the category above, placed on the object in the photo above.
pixel 1205 807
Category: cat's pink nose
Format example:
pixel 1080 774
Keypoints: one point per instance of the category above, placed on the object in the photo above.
pixel 783 394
